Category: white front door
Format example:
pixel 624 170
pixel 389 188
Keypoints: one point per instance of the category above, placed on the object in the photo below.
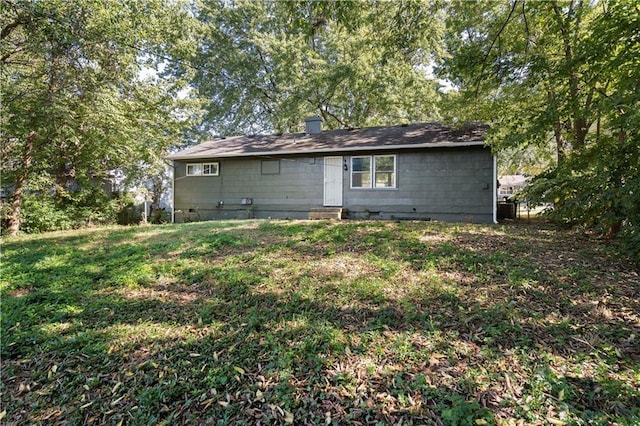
pixel 333 181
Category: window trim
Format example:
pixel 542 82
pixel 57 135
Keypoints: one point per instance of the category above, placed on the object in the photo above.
pixel 216 164
pixel 372 172
pixel 352 172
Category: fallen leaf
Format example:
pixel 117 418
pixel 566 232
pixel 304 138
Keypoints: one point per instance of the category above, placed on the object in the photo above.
pixel 239 370
pixel 117 400
pixel 223 403
pixel 288 418
pixel 434 359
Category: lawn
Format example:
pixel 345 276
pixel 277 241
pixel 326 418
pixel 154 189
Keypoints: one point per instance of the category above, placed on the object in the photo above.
pixel 295 322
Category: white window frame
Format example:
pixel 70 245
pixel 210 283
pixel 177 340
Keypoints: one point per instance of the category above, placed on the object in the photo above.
pixel 372 171
pixel 214 164
pixel 360 173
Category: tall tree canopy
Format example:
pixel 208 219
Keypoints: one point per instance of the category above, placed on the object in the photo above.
pixel 267 65
pixel 74 101
pixel 559 81
pixel 563 75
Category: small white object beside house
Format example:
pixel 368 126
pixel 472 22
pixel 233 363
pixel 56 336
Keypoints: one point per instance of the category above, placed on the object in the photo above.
pixel 509 185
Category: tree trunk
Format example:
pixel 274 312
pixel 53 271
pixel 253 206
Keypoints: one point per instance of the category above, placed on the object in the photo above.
pixel 580 127
pixel 560 145
pixel 156 195
pixel 18 192
pixel 580 132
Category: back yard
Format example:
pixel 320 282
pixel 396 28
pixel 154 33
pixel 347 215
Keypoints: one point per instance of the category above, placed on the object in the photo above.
pixel 248 322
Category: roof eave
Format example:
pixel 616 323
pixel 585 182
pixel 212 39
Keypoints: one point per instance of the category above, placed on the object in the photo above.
pixel 177 156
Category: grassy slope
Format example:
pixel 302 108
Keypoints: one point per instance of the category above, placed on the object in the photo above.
pixel 318 322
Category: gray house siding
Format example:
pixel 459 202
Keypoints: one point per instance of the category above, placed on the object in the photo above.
pixel 289 194
pixel 452 184
pixel 439 184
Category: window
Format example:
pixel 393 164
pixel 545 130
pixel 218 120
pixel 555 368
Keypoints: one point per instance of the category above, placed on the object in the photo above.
pixel 202 169
pixel 361 172
pixel 194 169
pixel 377 171
pixel 385 171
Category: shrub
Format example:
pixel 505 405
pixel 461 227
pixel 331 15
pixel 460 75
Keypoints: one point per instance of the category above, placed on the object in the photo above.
pixel 45 213
pixel 40 214
pixel 129 214
pixel 597 190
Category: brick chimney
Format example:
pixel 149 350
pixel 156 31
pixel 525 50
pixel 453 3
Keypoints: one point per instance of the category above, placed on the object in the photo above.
pixel 313 125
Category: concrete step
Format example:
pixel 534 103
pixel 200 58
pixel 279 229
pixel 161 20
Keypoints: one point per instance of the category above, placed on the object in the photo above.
pixel 328 213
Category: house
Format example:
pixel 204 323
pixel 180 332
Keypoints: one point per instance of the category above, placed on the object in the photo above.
pixel 508 185
pixel 418 171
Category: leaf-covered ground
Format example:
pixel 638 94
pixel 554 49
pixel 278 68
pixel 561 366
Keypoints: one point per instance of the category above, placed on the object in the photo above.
pixel 275 322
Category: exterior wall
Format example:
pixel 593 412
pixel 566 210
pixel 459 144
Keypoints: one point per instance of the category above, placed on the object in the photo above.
pixel 454 185
pixel 289 194
pixel 439 184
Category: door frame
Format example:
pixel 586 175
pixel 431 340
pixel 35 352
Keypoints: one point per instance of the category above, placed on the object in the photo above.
pixel 332 168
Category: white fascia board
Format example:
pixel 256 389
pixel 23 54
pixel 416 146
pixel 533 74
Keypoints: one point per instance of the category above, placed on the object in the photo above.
pixel 173 192
pixel 494 186
pixel 328 151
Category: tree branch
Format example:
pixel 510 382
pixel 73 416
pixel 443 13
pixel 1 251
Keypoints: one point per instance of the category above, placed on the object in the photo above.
pixel 526 27
pixel 325 111
pixel 20 20
pixel 266 69
pixel 493 42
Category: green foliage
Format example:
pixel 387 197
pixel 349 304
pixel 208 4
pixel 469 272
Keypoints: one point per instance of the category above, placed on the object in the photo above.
pixel 76 103
pixel 602 194
pixel 250 321
pixel 90 87
pixel 556 78
pixel 457 411
pixel 44 213
pixel 130 214
pixel 41 214
pixel 266 66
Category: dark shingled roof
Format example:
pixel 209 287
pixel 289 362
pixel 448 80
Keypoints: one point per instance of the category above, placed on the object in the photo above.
pixel 421 135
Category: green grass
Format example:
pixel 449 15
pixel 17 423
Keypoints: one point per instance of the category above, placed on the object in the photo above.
pixel 242 322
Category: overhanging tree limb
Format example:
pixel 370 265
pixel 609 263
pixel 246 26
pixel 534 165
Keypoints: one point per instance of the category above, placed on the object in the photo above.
pixel 493 42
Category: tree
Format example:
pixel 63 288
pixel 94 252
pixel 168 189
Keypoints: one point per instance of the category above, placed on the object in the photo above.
pixel 265 66
pixel 75 104
pixel 562 75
